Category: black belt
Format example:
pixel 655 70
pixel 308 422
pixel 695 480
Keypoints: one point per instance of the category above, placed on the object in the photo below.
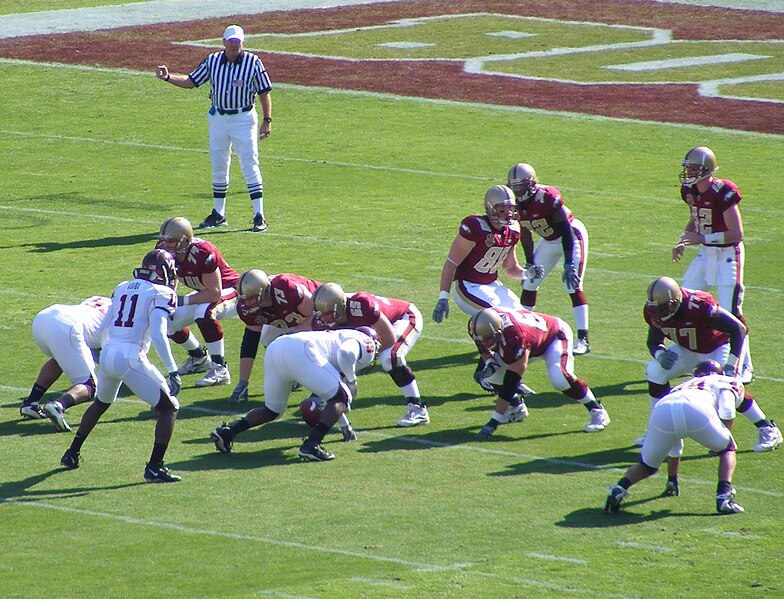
pixel 234 110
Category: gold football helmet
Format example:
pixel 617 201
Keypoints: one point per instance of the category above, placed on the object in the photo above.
pixel 522 180
pixel 176 234
pixel 664 299
pixel 329 303
pixel 699 164
pixel 486 328
pixel 253 287
pixel 500 205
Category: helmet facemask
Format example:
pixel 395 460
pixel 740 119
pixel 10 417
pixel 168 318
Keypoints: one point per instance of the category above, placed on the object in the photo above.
pixel 329 304
pixel 664 299
pixel 699 164
pixel 522 180
pixel 500 205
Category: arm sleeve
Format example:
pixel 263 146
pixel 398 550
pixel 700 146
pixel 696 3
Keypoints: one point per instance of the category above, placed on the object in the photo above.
pixel 159 320
pixel 348 354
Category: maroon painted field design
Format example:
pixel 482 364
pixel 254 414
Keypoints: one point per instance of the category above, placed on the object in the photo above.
pixel 143 48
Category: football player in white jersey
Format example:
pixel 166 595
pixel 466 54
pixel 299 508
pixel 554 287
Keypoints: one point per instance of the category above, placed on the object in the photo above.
pixel 703 409
pixel 68 334
pixel 140 314
pixel 324 362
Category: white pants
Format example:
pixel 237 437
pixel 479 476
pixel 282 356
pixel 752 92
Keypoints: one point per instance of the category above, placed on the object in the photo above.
pixel 239 131
pixel 187 315
pixel 59 337
pixel 290 360
pixel 676 417
pixel 122 363
pixel 685 363
pixel 407 331
pixel 550 253
pixel 472 298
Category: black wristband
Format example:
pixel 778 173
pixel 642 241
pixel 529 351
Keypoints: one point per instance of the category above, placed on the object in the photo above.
pixel 267 119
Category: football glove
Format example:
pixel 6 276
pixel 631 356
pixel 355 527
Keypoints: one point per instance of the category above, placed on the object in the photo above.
pixel 667 359
pixel 240 392
pixel 348 434
pixel 441 310
pixel 671 490
pixel 533 271
pixel 570 277
pixel 731 370
pixel 175 383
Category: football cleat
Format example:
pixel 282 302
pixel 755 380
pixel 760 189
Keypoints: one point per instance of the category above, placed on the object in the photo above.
pixel 615 496
pixel 31 411
pixel 259 224
pixel 581 347
pixel 599 419
pixel 54 410
pixel 485 432
pixel 769 438
pixel 415 414
pixel 222 436
pixel 195 365
pixel 640 441
pixel 516 413
pixel 313 452
pixel 213 220
pixel 159 473
pixel 70 459
pixel 218 375
pixel 725 503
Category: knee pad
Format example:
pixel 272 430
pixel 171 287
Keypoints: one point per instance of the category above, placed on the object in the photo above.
pixel 210 329
pixel 651 470
pixel 402 375
pixel 180 337
pixel 90 384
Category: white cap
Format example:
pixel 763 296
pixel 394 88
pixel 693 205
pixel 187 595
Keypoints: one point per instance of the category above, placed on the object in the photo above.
pixel 234 32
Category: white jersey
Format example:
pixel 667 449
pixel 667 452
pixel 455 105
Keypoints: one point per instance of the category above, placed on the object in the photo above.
pixel 133 301
pixel 724 393
pixel 327 343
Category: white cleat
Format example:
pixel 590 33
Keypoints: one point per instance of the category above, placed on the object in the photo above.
pixel 218 375
pixel 769 438
pixel 415 415
pixel 581 347
pixel 599 419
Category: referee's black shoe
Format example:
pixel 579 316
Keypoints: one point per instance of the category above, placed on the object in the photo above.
pixel 259 224
pixel 213 220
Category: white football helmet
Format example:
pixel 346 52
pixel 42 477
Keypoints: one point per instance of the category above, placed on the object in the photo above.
pixel 664 299
pixel 699 164
pixel 253 287
pixel 329 303
pixel 500 205
pixel 522 180
pixel 486 328
pixel 176 234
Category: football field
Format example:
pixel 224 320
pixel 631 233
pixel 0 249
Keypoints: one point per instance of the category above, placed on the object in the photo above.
pixel 367 188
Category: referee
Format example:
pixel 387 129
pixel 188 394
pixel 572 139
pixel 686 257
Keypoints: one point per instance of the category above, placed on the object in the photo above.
pixel 236 77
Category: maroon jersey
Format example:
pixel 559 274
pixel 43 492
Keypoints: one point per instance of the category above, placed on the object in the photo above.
pixel 690 326
pixel 364 309
pixel 537 213
pixel 286 293
pixel 707 209
pixel 203 258
pixel 523 330
pixel 491 247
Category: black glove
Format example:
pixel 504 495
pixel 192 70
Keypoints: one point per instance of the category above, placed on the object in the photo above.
pixel 441 310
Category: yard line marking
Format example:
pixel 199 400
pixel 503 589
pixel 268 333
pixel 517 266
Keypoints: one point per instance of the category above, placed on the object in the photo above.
pixel 557 558
pixel 379 582
pixel 445 445
pixel 733 535
pixel 633 545
pixel 691 61
pixel 437 102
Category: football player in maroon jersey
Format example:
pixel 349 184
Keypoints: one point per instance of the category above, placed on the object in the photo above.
pixel 398 324
pixel 541 210
pixel 698 329
pixel 511 339
pixel 268 306
pixel 200 266
pixel 715 225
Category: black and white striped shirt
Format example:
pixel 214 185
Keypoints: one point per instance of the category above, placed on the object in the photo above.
pixel 234 85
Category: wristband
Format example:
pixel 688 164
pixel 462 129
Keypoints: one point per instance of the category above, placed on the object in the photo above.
pixel 443 295
pixel 267 119
pixel 660 349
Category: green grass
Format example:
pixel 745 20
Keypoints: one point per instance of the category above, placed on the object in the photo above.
pixel 368 192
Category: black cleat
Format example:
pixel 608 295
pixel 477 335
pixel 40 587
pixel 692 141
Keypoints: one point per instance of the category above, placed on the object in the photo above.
pixel 259 224
pixel 312 452
pixel 32 411
pixel 213 220
pixel 160 474
pixel 70 460
pixel 222 437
